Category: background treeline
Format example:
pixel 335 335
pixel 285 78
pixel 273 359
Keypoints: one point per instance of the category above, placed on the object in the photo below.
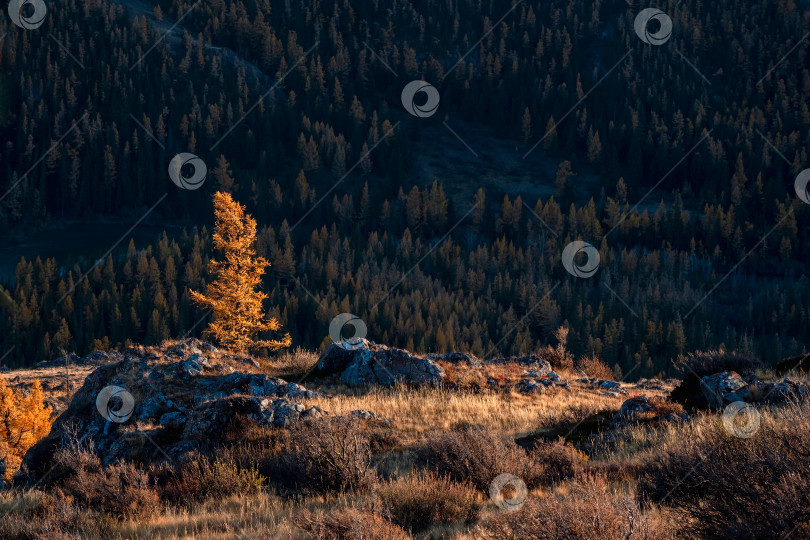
pixel 501 296
pixel 339 102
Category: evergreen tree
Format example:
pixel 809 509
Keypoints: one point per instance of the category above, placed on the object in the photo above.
pixel 234 296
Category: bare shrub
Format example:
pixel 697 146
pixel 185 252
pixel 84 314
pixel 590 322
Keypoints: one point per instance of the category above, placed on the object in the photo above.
pixel 348 524
pixel 39 515
pixel 472 453
pixel 121 490
pixel 553 462
pixel 702 363
pixel 558 356
pixel 201 478
pixel 326 455
pixel 720 485
pixel 422 500
pixel 594 367
pixel 590 512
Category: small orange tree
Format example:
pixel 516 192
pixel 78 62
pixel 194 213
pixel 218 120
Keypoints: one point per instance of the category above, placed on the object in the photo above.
pixel 234 295
pixel 24 419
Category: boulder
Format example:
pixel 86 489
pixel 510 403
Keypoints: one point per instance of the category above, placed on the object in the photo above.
pixel 336 358
pixel 723 388
pixel 777 392
pixel 370 363
pixel 639 409
pixel 689 393
pixel 529 386
pixel 632 410
pixel 388 366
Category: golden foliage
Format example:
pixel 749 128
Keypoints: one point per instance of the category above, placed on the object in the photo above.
pixel 234 295
pixel 24 419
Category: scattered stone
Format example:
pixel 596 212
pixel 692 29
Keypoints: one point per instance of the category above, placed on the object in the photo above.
pixel 365 415
pixel 457 358
pixel 529 386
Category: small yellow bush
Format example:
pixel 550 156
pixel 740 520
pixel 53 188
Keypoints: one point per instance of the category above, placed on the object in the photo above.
pixel 24 419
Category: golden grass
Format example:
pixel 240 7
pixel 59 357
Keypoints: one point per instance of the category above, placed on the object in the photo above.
pixel 414 411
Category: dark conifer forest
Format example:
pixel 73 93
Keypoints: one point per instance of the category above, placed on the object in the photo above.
pixel 676 162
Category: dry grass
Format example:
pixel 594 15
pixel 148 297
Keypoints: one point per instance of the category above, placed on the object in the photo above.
pixel 423 500
pixel 590 511
pixel 570 496
pixel 293 362
pixel 415 411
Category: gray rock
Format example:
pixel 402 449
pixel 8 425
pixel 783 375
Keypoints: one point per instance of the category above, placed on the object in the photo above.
pixel 529 386
pixel 457 358
pixel 314 412
pixel 388 366
pixel 173 419
pixel 723 388
pixel 335 359
pixel 364 414
pixel 631 410
pixel 285 413
pixel 199 359
pixel 152 407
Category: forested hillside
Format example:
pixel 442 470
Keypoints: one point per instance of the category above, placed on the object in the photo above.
pixel 325 160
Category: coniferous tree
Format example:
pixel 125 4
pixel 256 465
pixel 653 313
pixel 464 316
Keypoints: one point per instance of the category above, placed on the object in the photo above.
pixel 234 296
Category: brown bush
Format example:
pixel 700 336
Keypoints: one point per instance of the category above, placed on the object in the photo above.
pixel 719 485
pixel 348 524
pixel 475 454
pixel 38 515
pixel 558 356
pixel 422 500
pixel 590 512
pixel 553 462
pixel 594 367
pixel 121 490
pixel 665 406
pixel 200 478
pixel 325 455
pixel 702 363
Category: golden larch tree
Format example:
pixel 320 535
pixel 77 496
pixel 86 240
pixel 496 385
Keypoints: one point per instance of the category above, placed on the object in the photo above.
pixel 24 419
pixel 234 296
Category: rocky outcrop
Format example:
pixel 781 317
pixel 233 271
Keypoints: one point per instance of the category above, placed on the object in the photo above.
pixel 388 366
pixel 720 389
pixel 456 358
pixel 162 403
pixel 536 381
pixel 370 363
pixel 365 362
